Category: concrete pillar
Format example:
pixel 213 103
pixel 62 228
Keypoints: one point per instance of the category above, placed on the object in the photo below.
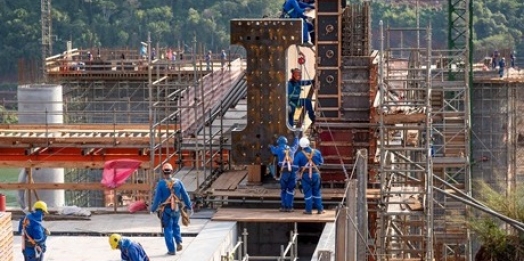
pixel 42 104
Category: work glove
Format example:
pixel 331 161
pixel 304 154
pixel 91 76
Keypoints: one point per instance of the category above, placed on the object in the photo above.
pixel 47 232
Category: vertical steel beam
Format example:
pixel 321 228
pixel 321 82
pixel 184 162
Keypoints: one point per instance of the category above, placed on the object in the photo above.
pixel 266 42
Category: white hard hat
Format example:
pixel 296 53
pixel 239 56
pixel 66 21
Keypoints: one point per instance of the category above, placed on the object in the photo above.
pixel 304 142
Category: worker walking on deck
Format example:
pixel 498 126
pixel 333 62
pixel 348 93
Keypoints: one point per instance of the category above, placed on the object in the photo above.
pixel 285 156
pixel 294 90
pixel 170 200
pixel 307 162
pixel 33 232
pixel 129 250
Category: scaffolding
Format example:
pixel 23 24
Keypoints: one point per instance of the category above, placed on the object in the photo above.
pixel 423 145
pixel 405 222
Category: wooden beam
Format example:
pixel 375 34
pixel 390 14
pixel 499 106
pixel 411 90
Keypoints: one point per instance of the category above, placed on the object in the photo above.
pixel 67 161
pixel 72 186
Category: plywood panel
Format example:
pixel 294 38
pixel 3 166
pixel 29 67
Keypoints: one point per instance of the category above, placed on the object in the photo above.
pixel 229 180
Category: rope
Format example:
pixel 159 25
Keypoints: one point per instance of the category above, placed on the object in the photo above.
pixel 353 223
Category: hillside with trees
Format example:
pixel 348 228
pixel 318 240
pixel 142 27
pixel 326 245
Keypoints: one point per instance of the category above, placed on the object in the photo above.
pixel 124 23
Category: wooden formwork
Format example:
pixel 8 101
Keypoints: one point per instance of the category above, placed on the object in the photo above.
pixel 6 237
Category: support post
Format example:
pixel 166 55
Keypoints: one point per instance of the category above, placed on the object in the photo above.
pixel 340 233
pixel 362 210
pixel 351 221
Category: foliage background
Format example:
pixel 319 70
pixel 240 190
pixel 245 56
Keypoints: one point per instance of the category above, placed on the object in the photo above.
pixel 124 23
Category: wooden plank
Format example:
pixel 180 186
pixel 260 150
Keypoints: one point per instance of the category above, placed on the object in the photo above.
pixel 270 215
pixel 229 180
pixel 6 236
pixel 260 192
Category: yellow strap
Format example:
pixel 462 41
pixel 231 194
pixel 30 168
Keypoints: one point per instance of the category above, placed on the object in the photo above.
pixel 312 165
pixel 287 161
pixel 169 201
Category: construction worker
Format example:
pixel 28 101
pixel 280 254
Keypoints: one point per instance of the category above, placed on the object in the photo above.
pixel 307 162
pixel 34 234
pixel 296 9
pixel 170 193
pixel 285 155
pixel 294 90
pixel 129 250
pixel 502 65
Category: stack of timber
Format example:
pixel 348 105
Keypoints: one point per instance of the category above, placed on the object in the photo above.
pixel 6 237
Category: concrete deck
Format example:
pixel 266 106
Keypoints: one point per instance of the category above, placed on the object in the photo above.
pixel 88 240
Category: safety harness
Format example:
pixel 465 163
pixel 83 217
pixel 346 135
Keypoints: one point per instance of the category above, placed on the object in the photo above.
pixel 286 162
pixel 311 165
pixel 29 240
pixel 175 203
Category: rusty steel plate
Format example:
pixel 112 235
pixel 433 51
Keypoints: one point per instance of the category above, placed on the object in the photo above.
pixel 266 42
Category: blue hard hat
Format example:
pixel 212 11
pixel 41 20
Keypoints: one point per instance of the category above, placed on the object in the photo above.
pixel 282 140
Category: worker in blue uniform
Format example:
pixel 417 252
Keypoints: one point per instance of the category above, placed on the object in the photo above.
pixel 294 90
pixel 33 232
pixel 307 162
pixel 296 9
pixel 170 199
pixel 129 250
pixel 285 155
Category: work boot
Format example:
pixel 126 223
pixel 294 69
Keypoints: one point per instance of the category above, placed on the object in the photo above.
pixel 321 212
pixel 282 209
pixel 171 253
pixel 307 212
pixel 290 210
pixel 179 247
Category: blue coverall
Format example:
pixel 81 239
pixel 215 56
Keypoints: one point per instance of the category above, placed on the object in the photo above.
pixel 170 217
pixel 310 184
pixel 132 251
pixel 295 9
pixel 34 235
pixel 287 172
pixel 294 88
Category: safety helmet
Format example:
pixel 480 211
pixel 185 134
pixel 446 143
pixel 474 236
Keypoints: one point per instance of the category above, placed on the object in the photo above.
pixel 303 142
pixel 167 168
pixel 40 205
pixel 113 240
pixel 282 140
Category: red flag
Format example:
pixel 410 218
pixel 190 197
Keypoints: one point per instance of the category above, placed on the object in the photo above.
pixel 116 172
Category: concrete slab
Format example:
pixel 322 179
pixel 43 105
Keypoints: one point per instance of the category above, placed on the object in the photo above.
pixel 96 248
pixel 126 224
pixel 87 240
pixel 217 237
